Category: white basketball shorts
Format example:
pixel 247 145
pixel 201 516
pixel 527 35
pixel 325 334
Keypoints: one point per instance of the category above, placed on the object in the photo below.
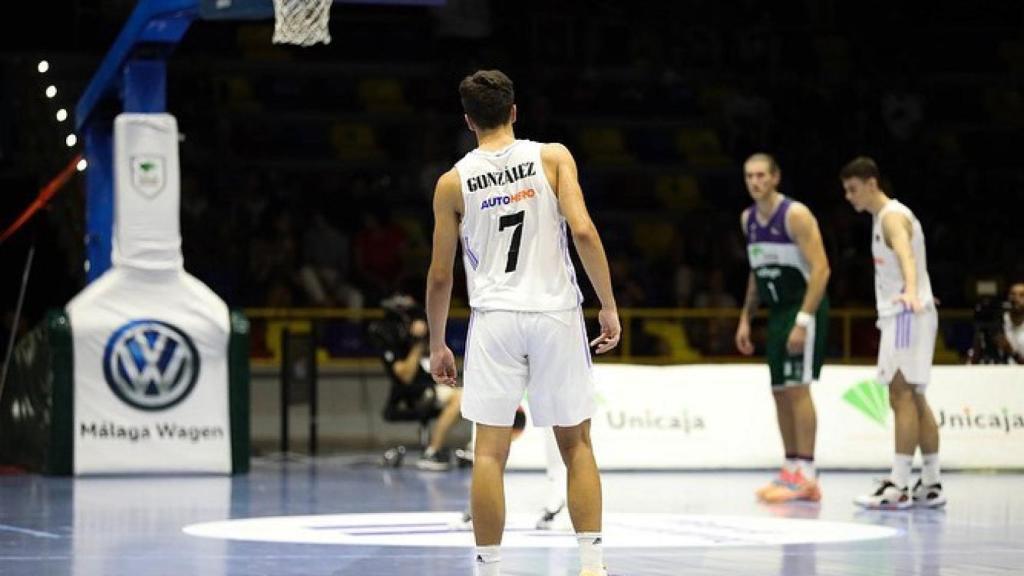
pixel 908 345
pixel 544 355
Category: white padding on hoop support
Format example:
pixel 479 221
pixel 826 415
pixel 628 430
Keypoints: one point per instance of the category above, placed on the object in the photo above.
pixel 147 192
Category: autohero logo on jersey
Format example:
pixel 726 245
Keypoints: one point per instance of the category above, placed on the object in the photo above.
pixel 151 366
pixel 507 199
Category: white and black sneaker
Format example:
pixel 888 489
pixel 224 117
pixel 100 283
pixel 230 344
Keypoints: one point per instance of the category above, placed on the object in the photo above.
pixel 888 496
pixel 464 457
pixel 439 461
pixel 930 496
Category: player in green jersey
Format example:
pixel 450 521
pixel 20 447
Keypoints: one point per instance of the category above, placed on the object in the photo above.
pixel 788 273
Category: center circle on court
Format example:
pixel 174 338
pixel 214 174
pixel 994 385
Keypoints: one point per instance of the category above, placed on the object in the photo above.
pixel 442 529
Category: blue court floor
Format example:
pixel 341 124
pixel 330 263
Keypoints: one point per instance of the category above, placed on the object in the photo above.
pixel 345 516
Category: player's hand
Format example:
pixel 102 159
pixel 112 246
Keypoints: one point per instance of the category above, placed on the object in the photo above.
pixel 797 338
pixel 611 331
pixel 910 302
pixel 442 366
pixel 743 343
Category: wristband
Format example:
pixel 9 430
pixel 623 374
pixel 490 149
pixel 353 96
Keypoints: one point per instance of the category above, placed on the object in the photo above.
pixel 803 319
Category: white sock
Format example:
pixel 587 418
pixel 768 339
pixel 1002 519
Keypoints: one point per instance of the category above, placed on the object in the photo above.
pixel 591 553
pixel 791 465
pixel 930 469
pixel 808 469
pixel 901 470
pixel 428 452
pixel 488 561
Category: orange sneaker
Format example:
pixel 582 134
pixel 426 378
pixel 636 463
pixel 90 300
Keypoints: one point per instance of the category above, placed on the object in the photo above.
pixel 781 480
pixel 797 488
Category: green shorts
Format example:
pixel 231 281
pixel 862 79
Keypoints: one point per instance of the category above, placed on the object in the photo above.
pixel 796 369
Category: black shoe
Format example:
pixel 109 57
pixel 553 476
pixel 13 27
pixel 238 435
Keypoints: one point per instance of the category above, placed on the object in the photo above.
pixel 463 458
pixel 439 461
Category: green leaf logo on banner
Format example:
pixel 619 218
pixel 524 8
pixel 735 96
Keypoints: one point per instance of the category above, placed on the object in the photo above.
pixel 870 399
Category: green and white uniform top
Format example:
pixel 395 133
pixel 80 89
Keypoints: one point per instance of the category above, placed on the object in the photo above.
pixel 779 268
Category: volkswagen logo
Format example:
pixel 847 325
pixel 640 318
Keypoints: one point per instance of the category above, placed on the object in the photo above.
pixel 150 364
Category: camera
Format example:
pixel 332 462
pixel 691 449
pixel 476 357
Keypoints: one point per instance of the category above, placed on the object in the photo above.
pixel 988 326
pixel 400 311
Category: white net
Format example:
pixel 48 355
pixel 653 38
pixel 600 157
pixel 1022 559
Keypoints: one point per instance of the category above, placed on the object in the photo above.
pixel 302 22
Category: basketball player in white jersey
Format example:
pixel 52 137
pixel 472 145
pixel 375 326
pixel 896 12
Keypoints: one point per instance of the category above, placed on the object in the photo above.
pixel 908 323
pixel 509 202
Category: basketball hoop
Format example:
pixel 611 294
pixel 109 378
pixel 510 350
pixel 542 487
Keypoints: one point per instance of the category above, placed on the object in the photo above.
pixel 302 22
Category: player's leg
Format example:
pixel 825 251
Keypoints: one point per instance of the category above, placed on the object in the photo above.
pixel 584 480
pixel 893 493
pixel 562 395
pixel 556 475
pixel 805 423
pixel 787 423
pixel 775 351
pixel 808 366
pixel 495 375
pixel 584 493
pixel 928 490
pixel 805 420
pixel 901 399
pixel 487 495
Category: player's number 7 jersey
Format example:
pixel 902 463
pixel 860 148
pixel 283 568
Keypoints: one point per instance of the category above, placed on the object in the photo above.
pixel 514 238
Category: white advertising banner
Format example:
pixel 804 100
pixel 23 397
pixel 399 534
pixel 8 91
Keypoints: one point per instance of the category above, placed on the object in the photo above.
pixel 150 342
pixel 150 375
pixel 723 416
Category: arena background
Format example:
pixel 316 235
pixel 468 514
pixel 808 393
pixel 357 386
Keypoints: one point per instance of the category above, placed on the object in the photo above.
pixel 660 102
pixel 272 430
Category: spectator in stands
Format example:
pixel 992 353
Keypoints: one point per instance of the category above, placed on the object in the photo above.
pixel 379 251
pixel 325 268
pixel 684 275
pixel 1012 340
pixel 720 330
pixel 902 112
pixel 272 260
pixel 631 292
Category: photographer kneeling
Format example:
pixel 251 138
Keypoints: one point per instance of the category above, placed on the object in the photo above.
pixel 402 341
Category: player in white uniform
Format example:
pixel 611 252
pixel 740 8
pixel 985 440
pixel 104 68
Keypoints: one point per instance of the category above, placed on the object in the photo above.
pixel 510 202
pixel 908 322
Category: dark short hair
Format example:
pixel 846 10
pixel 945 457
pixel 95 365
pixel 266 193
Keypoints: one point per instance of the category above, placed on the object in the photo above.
pixel 773 166
pixel 861 167
pixel 487 98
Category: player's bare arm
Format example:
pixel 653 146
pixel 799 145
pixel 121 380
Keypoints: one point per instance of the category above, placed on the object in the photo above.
pixel 803 228
pixel 750 304
pixel 447 210
pixel 897 230
pixel 560 169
